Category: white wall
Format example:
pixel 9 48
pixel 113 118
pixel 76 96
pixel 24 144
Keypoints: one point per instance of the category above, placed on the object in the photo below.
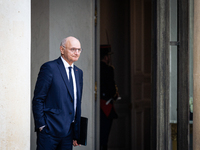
pixel 39 46
pixel 53 21
pixel 15 75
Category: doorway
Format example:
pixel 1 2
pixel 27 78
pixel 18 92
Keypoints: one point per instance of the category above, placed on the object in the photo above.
pixel 126 26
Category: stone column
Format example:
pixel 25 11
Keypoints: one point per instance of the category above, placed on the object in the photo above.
pixel 15 74
pixel 196 76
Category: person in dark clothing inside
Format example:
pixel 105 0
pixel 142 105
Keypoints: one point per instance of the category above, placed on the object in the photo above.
pixel 108 93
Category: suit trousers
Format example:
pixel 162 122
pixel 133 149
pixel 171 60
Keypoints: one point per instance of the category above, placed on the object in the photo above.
pixel 48 142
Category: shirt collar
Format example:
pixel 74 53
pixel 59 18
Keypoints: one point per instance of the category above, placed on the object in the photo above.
pixel 66 63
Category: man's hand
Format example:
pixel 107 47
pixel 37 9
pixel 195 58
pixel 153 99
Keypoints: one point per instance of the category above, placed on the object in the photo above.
pixel 75 143
pixel 41 128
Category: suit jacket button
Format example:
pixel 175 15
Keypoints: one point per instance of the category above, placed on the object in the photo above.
pixel 70 113
pixel 72 101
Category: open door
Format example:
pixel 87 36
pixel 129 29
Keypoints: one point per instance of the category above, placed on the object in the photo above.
pixel 140 50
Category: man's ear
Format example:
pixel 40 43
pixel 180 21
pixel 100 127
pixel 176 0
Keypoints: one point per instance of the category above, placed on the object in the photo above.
pixel 61 50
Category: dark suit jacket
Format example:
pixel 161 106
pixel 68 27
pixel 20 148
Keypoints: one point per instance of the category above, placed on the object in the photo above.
pixel 52 102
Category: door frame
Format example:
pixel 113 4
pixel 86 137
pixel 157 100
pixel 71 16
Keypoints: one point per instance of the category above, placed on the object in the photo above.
pixel 97 72
pixel 161 130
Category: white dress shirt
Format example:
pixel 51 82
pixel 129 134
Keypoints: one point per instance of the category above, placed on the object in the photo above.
pixel 74 80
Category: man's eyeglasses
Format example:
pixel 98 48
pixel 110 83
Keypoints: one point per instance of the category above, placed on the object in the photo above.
pixel 73 50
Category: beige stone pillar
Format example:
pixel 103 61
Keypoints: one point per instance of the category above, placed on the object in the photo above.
pixel 15 74
pixel 196 76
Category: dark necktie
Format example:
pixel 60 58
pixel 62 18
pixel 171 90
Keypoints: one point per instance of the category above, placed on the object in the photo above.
pixel 71 81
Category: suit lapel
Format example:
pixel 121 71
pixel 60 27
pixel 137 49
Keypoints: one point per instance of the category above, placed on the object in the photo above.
pixel 77 81
pixel 64 75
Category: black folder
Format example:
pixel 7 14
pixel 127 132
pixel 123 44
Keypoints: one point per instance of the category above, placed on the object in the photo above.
pixel 83 131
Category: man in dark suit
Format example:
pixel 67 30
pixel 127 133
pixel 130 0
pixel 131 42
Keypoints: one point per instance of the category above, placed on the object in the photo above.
pixel 57 99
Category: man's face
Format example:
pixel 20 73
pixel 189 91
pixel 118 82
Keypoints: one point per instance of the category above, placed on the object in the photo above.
pixel 67 52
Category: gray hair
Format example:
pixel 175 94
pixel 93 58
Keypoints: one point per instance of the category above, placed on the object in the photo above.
pixel 63 42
